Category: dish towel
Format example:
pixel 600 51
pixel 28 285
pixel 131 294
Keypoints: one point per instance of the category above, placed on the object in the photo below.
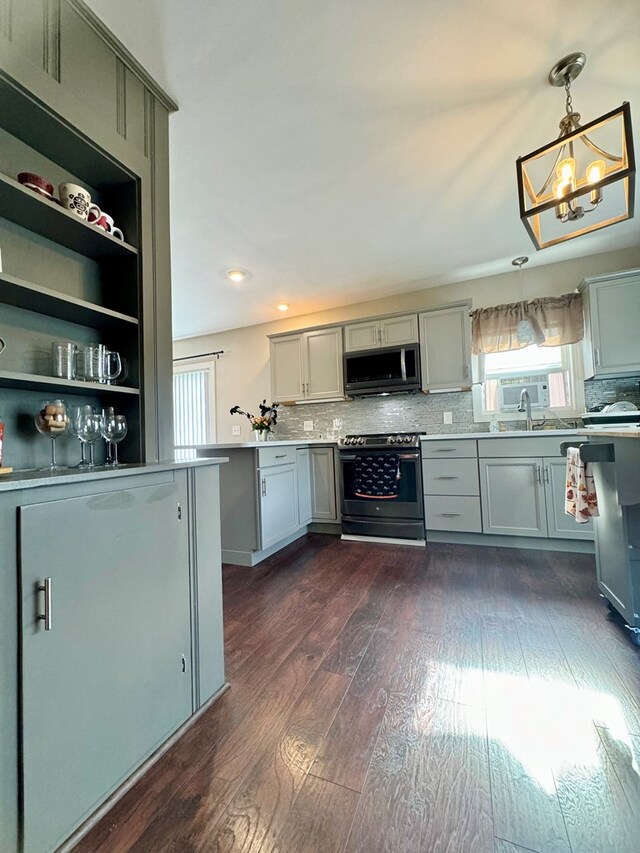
pixel 581 499
pixel 377 477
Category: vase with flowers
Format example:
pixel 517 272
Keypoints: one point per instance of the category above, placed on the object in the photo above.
pixel 263 423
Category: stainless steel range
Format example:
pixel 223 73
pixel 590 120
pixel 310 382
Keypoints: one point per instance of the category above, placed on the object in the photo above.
pixel 382 486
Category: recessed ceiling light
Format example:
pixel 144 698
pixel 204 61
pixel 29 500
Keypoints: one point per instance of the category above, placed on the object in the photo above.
pixel 283 306
pixel 236 275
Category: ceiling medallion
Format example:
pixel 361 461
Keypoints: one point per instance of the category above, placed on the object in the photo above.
pixel 585 177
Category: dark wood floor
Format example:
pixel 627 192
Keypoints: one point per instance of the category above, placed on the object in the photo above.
pixel 388 699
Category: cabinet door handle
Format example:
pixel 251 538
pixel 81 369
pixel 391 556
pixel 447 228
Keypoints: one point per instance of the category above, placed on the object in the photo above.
pixel 539 473
pixel 597 356
pixel 46 616
pixel 450 514
pixel 547 474
pixel 264 487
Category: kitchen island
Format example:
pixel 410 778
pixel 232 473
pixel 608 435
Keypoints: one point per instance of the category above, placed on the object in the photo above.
pixel 272 493
pixel 110 630
pixel 615 458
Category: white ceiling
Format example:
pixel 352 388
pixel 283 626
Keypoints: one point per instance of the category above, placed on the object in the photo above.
pixel 343 150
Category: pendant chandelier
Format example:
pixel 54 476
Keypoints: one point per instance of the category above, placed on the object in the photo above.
pixel 584 179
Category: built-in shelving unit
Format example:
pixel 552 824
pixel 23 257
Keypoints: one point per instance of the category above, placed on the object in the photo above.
pixel 48 219
pixel 33 297
pixel 63 278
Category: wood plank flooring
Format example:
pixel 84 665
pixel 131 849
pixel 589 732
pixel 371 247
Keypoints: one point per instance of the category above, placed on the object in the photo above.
pixel 396 700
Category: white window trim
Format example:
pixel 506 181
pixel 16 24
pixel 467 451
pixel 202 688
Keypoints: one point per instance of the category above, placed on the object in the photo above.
pixel 208 364
pixel 571 362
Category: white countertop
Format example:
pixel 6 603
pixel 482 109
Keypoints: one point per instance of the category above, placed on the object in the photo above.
pixel 516 433
pixel 62 476
pixel 613 433
pixel 233 445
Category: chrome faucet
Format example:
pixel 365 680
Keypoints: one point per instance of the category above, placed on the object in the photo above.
pixel 525 406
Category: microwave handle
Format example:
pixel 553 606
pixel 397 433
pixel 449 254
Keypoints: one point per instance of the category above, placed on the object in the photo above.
pixel 403 365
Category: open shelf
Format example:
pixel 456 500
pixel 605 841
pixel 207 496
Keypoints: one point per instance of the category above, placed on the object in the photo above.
pixel 48 219
pixel 33 297
pixel 52 384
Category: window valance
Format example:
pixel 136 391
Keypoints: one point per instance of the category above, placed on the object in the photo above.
pixel 550 321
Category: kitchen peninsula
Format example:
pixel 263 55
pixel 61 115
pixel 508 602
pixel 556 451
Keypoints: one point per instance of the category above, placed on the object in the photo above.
pixel 272 492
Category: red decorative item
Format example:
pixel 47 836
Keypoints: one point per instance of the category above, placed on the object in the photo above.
pixel 36 183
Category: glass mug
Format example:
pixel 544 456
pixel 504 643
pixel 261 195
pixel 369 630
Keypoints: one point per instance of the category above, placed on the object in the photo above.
pixel 63 356
pixel 96 363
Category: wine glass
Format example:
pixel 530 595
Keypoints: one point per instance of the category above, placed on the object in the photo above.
pixel 114 430
pixel 86 426
pixel 52 420
pixel 107 413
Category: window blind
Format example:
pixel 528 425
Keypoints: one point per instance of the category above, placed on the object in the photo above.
pixel 191 407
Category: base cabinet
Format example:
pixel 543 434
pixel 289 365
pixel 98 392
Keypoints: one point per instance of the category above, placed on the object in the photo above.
pixel 109 678
pixel 278 503
pixel 324 503
pixel 560 525
pixel 303 463
pixel 526 497
pixel 513 497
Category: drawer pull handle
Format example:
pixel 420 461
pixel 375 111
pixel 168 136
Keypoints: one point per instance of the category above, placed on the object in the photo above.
pixel 281 455
pixel 445 450
pixel 451 514
pixel 447 478
pixel 46 616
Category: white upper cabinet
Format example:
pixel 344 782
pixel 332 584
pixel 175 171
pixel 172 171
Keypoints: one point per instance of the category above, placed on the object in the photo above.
pixel 307 366
pixel 395 331
pixel 445 348
pixel 612 321
pixel 359 336
pixel 287 376
pixel 322 360
pixel 388 332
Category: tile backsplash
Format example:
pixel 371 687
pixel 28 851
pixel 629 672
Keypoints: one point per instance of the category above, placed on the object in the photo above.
pixel 418 412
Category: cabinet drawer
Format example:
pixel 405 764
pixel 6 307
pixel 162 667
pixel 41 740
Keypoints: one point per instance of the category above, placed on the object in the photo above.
pixel 268 456
pixel 451 477
pixel 449 449
pixel 531 445
pixel 453 513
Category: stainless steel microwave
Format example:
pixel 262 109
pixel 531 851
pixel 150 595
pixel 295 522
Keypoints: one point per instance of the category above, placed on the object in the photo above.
pixel 389 370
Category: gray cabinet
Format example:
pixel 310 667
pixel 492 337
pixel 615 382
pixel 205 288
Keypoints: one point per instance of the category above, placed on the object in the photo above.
pixel 304 485
pixel 307 366
pixel 278 503
pixel 559 524
pixel 445 348
pixel 612 317
pixel 111 679
pixel 512 493
pixel 323 484
pixel 287 372
pixel 526 497
pixel 385 332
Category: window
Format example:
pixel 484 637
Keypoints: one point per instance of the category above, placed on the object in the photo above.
pixel 193 404
pixel 560 367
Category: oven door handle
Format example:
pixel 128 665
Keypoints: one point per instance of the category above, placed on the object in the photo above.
pixel 349 458
pixel 408 455
pixel 403 365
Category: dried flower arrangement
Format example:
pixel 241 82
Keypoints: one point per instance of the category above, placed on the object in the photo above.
pixel 263 422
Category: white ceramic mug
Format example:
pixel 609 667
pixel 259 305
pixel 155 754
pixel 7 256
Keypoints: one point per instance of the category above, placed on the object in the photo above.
pixel 103 220
pixel 75 199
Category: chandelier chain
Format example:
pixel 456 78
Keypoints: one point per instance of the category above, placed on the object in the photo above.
pixel 569 102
